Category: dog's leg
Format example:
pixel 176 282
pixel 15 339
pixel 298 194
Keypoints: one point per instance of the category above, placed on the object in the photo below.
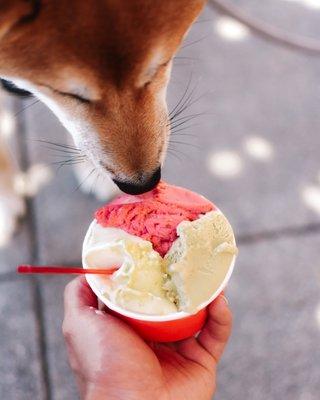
pixel 12 205
pixel 91 182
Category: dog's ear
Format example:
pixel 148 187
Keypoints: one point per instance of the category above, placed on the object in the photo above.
pixel 13 12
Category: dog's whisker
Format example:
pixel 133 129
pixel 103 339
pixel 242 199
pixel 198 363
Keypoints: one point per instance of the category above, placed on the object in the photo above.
pixel 201 21
pixel 72 159
pixel 186 144
pixel 26 107
pixel 181 99
pixel 190 118
pixel 185 117
pixel 85 179
pixel 189 105
pixel 62 152
pixel 58 145
pixel 67 162
pixel 183 105
pixel 69 159
pixel 94 181
pixel 185 58
pixel 183 108
pixel 175 132
pixel 176 151
pixel 171 153
pixel 194 41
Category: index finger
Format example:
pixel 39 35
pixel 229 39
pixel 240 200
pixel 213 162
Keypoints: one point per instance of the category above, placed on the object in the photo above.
pixel 78 296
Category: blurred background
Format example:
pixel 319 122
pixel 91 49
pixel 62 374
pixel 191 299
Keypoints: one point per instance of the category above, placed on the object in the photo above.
pixel 252 146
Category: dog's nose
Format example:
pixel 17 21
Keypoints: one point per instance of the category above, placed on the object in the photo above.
pixel 144 185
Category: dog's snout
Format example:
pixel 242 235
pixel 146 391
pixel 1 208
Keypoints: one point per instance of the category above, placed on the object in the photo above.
pixel 140 185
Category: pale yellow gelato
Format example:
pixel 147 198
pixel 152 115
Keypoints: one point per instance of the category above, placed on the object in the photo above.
pixel 199 259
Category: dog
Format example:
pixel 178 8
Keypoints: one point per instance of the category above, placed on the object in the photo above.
pixel 103 68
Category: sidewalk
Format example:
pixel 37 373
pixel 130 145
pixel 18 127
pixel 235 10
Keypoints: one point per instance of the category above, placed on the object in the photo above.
pixel 255 153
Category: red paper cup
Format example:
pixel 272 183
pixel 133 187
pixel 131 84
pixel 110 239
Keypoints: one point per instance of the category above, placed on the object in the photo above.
pixel 159 328
pixel 167 330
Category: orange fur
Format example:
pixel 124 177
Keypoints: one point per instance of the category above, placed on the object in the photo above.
pixel 119 53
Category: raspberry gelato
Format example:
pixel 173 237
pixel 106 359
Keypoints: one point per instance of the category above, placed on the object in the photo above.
pixel 154 216
pixel 172 246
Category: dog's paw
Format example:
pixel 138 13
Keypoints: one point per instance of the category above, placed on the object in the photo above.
pixel 12 207
pixel 102 188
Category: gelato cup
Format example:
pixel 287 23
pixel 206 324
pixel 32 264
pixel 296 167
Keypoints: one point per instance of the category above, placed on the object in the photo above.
pixel 170 327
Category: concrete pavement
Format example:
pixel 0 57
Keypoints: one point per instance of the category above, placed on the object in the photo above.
pixel 255 153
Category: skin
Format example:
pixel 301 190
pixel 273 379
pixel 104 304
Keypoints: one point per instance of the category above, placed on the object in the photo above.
pixel 103 68
pixel 110 361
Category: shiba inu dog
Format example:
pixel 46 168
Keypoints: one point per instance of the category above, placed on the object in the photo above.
pixel 103 68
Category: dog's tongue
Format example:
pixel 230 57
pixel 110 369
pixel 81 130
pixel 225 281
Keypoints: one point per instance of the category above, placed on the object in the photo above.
pixel 155 215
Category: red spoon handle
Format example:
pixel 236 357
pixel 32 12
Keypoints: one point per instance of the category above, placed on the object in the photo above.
pixel 57 269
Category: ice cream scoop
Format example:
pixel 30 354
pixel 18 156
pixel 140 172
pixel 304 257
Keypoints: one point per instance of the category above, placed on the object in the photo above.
pixel 154 216
pixel 174 249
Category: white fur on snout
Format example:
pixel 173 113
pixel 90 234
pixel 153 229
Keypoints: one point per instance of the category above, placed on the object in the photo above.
pixel 100 183
pixel 76 127
pixel 84 135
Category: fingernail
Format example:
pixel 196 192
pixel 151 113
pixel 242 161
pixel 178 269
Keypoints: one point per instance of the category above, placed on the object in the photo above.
pixel 99 312
pixel 225 299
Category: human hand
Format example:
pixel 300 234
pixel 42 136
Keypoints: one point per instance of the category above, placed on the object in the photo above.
pixel 111 362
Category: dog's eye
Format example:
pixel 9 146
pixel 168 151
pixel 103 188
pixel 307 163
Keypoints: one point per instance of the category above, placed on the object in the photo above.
pixel 81 98
pixel 77 97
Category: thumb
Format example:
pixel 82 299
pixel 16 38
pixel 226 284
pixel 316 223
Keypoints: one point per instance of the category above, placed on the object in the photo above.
pixel 215 334
pixel 78 296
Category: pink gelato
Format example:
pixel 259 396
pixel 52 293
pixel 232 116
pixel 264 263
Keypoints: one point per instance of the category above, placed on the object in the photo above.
pixel 155 215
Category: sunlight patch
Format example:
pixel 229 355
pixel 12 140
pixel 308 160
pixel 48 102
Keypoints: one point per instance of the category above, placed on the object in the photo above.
pixel 11 207
pixel 30 182
pixel 230 29
pixel 259 148
pixel 226 164
pixel 7 124
pixel 7 226
pixel 314 4
pixel 311 197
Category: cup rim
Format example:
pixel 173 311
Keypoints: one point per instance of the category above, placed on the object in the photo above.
pixel 154 318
